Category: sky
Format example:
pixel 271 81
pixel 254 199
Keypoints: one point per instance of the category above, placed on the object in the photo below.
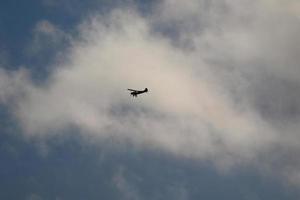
pixel 220 120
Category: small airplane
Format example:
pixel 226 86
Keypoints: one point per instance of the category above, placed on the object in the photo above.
pixel 135 93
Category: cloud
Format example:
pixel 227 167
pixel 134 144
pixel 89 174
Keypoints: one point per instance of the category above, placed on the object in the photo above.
pixel 126 189
pixel 13 85
pixel 46 37
pixel 90 95
pixel 291 7
pixel 215 81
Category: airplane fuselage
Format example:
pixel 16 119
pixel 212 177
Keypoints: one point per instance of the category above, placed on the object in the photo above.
pixel 135 93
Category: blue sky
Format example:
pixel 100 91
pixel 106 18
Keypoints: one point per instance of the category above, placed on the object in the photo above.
pixel 220 120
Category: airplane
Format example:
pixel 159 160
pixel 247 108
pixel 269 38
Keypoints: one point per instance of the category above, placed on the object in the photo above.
pixel 135 93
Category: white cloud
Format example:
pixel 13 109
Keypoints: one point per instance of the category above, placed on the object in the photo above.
pixel 86 91
pixel 202 100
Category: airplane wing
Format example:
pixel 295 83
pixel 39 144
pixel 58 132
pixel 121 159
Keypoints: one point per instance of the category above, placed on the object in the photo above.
pixel 132 90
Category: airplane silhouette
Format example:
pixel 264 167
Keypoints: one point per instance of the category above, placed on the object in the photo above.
pixel 135 93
